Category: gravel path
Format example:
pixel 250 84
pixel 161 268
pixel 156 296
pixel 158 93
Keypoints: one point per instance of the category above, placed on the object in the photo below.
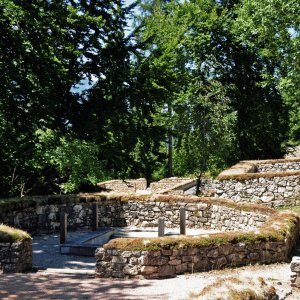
pixel 45 285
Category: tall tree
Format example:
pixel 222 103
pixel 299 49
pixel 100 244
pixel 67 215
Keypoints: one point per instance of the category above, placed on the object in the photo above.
pixel 46 50
pixel 272 29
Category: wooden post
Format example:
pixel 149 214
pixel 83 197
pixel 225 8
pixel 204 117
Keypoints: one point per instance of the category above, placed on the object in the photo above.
pixel 95 216
pixel 63 227
pixel 182 220
pixel 161 227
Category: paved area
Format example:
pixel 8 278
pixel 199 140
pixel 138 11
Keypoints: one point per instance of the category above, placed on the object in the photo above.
pixel 46 254
pixel 45 285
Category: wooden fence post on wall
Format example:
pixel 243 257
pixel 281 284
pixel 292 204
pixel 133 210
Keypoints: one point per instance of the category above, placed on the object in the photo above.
pixel 63 227
pixel 95 216
pixel 182 220
pixel 161 227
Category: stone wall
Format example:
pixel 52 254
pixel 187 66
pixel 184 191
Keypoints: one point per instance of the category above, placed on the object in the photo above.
pixel 273 191
pixel 171 260
pixel 270 182
pixel 278 167
pixel 131 210
pixel 44 215
pixel 168 262
pixel 15 257
pixel 198 215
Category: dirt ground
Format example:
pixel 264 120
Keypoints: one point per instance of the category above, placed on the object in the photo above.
pixel 51 285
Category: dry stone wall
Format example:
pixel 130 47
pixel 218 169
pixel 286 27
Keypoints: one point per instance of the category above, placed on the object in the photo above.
pixel 271 182
pixel 198 215
pixel 45 217
pixel 273 192
pixel 170 262
pixel 278 167
pixel 171 258
pixel 118 213
pixel 15 257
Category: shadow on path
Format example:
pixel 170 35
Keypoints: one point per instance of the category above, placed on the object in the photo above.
pixel 50 286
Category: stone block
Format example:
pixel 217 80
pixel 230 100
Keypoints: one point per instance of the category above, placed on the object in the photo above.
pixel 130 270
pixel 166 271
pixel 159 261
pixel 166 252
pixel 118 260
pixel 295 264
pixel 147 270
pixel 175 262
pixel 213 253
pixel 181 268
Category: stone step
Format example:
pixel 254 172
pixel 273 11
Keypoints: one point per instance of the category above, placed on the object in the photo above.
pixel 67 271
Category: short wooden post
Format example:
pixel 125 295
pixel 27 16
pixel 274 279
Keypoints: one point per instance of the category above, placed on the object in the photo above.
pixel 95 216
pixel 182 220
pixel 63 227
pixel 161 227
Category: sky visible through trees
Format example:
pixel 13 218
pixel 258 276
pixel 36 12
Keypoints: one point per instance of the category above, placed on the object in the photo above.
pixel 92 90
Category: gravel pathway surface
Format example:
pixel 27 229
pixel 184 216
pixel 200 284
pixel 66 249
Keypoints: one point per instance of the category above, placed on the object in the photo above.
pixel 47 285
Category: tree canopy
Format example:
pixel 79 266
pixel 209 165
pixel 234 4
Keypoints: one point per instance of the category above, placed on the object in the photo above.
pixel 91 90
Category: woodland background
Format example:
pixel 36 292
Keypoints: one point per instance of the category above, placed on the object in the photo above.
pixel 92 90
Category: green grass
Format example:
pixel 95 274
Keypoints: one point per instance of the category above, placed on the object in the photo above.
pixel 9 234
pixel 295 209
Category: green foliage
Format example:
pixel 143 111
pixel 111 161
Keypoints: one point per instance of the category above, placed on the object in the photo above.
pixel 272 29
pixel 221 77
pixel 75 161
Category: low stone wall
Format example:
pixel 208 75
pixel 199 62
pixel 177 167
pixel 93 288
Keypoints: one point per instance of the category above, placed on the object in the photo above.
pixel 278 167
pixel 124 259
pixel 273 191
pixel 42 214
pixel 38 215
pixel 270 182
pixel 124 186
pixel 198 214
pixel 16 257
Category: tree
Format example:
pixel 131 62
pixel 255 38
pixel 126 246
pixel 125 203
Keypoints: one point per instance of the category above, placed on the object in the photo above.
pixel 272 28
pixel 206 125
pixel 46 50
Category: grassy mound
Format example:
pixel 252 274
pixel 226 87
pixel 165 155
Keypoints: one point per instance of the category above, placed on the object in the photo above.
pixel 9 234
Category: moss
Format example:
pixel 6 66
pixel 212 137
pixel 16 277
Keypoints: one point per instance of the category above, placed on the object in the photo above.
pixel 295 209
pixel 246 294
pixel 274 230
pixel 272 161
pixel 9 234
pixel 251 176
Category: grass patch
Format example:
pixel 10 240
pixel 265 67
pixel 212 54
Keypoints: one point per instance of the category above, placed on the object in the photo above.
pixel 295 209
pixel 9 234
pixel 233 288
pixel 272 161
